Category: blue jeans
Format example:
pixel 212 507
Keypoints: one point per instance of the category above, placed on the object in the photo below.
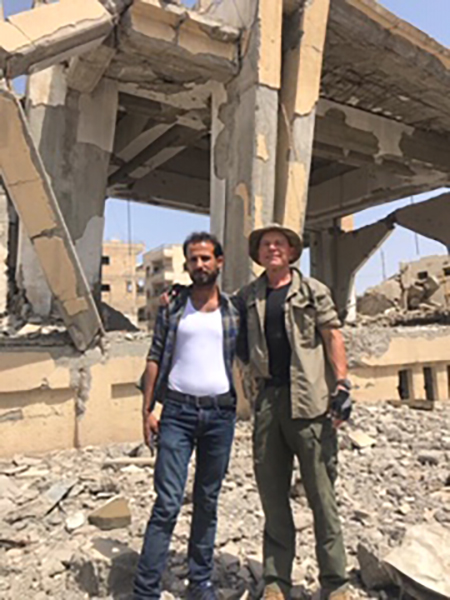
pixel 184 427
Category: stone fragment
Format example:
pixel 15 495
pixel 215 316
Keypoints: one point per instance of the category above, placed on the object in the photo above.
pixel 124 461
pixel 420 566
pixel 114 514
pixel 75 521
pixel 429 457
pixel 256 568
pixel 373 573
pixel 303 520
pixel 8 489
pixel 361 440
pixel 57 492
pixel 105 566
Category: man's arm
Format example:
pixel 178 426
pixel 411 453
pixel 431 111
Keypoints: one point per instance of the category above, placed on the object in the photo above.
pixel 335 349
pixel 341 404
pixel 150 420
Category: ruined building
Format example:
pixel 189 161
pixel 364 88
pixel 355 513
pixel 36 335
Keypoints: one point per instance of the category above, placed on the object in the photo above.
pixel 250 111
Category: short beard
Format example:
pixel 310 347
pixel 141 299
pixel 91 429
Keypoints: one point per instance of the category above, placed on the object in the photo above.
pixel 205 280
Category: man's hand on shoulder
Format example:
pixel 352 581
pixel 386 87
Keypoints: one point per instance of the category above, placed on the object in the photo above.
pixel 170 294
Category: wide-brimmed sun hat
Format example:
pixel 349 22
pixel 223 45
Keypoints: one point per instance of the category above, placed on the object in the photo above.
pixel 293 238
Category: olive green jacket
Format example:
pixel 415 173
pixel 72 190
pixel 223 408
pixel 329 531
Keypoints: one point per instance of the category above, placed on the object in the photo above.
pixel 308 308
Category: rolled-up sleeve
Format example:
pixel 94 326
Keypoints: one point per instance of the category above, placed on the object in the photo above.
pixel 326 313
pixel 159 336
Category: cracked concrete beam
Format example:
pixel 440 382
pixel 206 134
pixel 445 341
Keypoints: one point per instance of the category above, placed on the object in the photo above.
pixel 86 71
pixel 305 34
pixel 34 40
pixel 29 188
pixel 337 255
pixel 430 218
pixel 173 141
pixel 364 136
pixel 353 250
pixel 361 188
pixel 175 35
pixel 176 190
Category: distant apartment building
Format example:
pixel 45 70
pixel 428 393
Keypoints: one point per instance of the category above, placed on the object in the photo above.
pixel 162 266
pixel 123 285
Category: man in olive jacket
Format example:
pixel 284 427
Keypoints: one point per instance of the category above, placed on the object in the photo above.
pixel 297 355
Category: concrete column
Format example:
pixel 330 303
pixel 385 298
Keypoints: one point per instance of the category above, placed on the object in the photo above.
pixel 418 384
pixel 336 257
pixel 74 134
pixel 304 44
pixel 4 229
pixel 244 135
pixel 442 383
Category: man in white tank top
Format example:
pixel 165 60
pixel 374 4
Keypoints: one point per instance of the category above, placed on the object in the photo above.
pixel 189 370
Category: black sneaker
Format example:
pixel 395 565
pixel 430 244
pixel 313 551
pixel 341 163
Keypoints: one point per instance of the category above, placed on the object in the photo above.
pixel 201 591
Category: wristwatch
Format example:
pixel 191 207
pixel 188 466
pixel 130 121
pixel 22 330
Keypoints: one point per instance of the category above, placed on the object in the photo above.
pixel 346 383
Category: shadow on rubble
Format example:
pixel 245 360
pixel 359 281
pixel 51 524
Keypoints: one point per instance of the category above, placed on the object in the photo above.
pixel 114 320
pixel 109 571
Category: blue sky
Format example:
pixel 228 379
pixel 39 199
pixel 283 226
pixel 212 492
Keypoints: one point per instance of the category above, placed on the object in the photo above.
pixel 155 226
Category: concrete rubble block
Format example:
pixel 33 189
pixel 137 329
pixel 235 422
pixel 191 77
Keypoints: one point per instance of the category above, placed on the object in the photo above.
pixel 51 33
pixel 114 514
pixel 361 440
pixel 104 566
pixel 421 565
pixel 126 461
pixel 381 298
pixel 75 521
pixel 25 177
pixel 207 49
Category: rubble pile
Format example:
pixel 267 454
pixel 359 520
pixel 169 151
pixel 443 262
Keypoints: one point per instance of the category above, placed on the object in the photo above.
pixel 72 522
pixel 418 294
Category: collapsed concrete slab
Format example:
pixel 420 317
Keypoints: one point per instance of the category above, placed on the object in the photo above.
pixel 51 33
pixel 31 193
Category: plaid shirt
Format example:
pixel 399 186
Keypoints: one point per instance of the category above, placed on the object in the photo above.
pixel 165 333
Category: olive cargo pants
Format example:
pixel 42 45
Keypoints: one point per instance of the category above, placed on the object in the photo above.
pixel 277 439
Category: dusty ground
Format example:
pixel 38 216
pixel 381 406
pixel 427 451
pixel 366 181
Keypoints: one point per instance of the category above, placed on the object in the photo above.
pixel 48 549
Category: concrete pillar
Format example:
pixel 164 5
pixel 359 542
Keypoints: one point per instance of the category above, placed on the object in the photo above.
pixel 74 134
pixel 4 230
pixel 418 384
pixel 244 135
pixel 336 257
pixel 442 383
pixel 304 42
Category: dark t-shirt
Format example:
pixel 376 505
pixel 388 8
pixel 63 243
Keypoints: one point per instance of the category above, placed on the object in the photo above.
pixel 276 336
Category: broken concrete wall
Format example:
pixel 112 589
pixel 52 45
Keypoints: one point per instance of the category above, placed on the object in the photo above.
pixel 381 357
pixel 52 397
pixel 435 267
pixel 24 176
pixel 377 300
pixel 50 34
pixel 420 285
pixel 74 133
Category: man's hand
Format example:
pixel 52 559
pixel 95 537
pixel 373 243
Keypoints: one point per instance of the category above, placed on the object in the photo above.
pixel 151 429
pixel 169 294
pixel 341 405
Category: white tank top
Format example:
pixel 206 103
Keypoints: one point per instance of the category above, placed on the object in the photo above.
pixel 198 365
